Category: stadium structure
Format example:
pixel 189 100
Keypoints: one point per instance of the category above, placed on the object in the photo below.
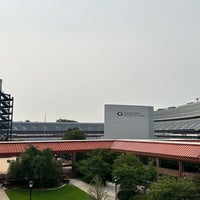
pixel 173 122
pixel 54 130
pixel 178 122
pixel 6 114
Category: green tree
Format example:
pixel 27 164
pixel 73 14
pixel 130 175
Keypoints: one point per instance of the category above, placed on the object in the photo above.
pixel 130 174
pixel 38 166
pixel 126 194
pixel 74 134
pixel 129 171
pixel 151 174
pixel 169 188
pixel 94 165
pixel 197 184
pixel 98 163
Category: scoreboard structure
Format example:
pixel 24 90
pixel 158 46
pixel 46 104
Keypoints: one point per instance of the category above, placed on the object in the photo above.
pixel 6 114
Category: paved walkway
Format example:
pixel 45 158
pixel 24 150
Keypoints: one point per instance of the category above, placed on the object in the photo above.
pixel 3 195
pixel 109 188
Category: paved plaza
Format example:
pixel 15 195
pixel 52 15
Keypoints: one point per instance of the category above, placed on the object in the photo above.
pixel 109 188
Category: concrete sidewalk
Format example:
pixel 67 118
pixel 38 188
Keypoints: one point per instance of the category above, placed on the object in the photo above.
pixel 3 195
pixel 109 188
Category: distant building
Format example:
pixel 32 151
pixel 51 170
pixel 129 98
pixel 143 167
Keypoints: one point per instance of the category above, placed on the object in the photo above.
pixel 128 122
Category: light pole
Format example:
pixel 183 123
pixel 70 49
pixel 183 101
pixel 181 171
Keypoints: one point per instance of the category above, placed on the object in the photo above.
pixel 115 181
pixel 30 183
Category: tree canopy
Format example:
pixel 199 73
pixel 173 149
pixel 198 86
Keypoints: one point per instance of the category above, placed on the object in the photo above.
pixel 130 172
pixel 169 188
pixel 98 163
pixel 74 134
pixel 38 166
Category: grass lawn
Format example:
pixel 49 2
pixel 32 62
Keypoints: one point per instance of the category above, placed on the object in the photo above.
pixel 68 192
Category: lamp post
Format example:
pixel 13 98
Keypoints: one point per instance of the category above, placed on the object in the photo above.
pixel 30 183
pixel 115 181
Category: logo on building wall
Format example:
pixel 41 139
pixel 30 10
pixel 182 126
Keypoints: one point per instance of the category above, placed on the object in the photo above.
pixel 130 114
pixel 120 114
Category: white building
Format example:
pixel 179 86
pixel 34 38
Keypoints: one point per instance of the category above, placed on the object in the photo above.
pixel 128 122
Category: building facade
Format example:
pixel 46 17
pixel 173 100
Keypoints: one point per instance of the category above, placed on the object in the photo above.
pixel 128 122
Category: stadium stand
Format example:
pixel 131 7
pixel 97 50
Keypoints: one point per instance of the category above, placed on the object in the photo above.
pixel 178 122
pixel 53 130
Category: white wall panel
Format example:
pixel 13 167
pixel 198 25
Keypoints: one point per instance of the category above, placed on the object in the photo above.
pixel 128 122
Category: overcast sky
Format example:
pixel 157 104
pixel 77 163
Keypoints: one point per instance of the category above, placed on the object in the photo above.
pixel 67 58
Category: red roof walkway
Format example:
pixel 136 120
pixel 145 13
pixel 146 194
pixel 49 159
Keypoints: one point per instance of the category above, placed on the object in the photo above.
pixel 185 151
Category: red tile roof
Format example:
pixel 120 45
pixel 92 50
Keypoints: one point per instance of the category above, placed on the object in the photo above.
pixel 161 149
pixel 16 148
pixel 171 150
